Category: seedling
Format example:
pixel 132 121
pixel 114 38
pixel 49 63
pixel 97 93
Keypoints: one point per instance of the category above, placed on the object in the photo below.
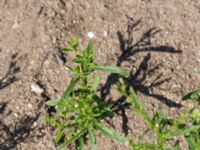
pixel 165 129
pixel 80 110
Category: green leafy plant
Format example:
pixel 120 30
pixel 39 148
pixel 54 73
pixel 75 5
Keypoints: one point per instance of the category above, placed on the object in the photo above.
pixel 80 110
pixel 193 138
pixel 165 129
pixel 192 120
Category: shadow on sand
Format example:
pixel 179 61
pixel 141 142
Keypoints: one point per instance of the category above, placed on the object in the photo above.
pixel 129 47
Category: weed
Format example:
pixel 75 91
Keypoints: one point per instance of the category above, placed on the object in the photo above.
pixel 165 129
pixel 79 111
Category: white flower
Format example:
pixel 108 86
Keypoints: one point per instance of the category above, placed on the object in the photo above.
pixel 90 35
pixel 76 105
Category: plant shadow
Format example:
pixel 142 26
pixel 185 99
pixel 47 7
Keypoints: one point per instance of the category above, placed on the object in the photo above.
pixel 12 135
pixel 10 75
pixel 129 47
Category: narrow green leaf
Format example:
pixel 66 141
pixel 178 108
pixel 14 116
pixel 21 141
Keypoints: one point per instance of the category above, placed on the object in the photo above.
pixel 113 69
pixel 175 146
pixel 60 105
pixel 189 95
pixel 191 142
pixel 70 88
pixel 74 138
pixel 73 43
pixel 92 138
pixel 141 137
pixel 96 82
pixel 113 135
pixel 54 122
pixel 133 99
pixel 90 46
pixel 182 131
pixel 59 136
pixel 81 143
pixel 53 102
pixel 68 49
pixel 142 146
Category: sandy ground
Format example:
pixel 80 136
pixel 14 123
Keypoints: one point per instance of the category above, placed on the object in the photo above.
pixel 158 41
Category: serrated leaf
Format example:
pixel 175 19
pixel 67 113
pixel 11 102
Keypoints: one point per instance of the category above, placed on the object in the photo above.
pixel 113 69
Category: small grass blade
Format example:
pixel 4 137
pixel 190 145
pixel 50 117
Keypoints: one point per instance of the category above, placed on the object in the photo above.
pixel 61 103
pixel 54 122
pixel 92 138
pixel 113 69
pixel 189 95
pixel 81 143
pixel 138 105
pixel 192 144
pixel 70 88
pixel 74 138
pixel 59 136
pixel 182 131
pixel 90 46
pixel 96 82
pixel 114 136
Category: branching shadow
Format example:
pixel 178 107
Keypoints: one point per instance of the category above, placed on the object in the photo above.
pixel 45 94
pixel 3 106
pixel 10 75
pixel 129 47
pixel 11 136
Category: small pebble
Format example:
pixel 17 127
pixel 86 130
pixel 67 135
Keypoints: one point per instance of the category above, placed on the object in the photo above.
pixel 15 25
pixel 16 115
pixel 35 88
pixel 105 34
pixel 30 105
pixel 35 124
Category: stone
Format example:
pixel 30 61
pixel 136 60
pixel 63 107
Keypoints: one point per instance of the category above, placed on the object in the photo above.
pixel 35 88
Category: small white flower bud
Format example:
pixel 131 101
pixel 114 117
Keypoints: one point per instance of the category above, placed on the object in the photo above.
pixel 90 35
pixel 76 105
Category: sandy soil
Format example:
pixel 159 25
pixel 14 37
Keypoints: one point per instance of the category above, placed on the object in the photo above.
pixel 158 41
